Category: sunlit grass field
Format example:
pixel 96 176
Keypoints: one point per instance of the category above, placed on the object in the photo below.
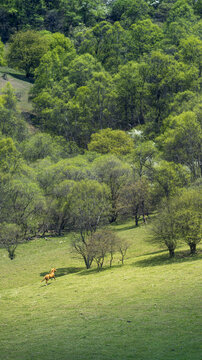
pixel 148 309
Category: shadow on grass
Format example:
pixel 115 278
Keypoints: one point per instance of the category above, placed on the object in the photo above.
pixel 95 270
pixel 164 259
pixel 46 284
pixel 21 77
pixel 64 271
pixel 126 228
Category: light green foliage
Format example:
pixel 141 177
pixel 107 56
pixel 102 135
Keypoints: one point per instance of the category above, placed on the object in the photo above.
pixel 24 205
pixel 112 171
pixel 10 237
pixel 94 40
pixel 26 49
pixel 179 219
pixel 144 37
pixel 11 124
pixel 2 61
pixel 130 94
pixel 49 175
pixel 41 145
pixel 115 47
pixel 81 69
pixel 181 9
pixel 102 243
pixel 188 217
pixel 134 199
pixel 9 157
pixel 166 76
pixel 9 98
pixel 87 206
pixel 185 101
pixel 88 110
pixel 191 51
pixel 111 141
pixel 181 141
pixel 143 157
pixel 56 216
pixel 169 178
pixel 54 63
pixel 106 42
pixel 164 230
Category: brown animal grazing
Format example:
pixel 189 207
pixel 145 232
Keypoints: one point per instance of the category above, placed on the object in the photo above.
pixel 50 276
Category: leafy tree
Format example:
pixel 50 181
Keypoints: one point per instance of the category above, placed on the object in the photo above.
pixel 188 217
pixel 198 7
pixel 24 205
pixel 26 49
pixel 29 13
pixel 93 40
pixel 164 230
pixel 184 102
pixel 53 65
pixel 10 237
pixel 134 199
pixel 113 172
pixel 143 157
pixel 181 9
pixel 9 157
pixel 41 145
pixel 145 36
pixel 162 9
pixel 105 242
pixel 123 248
pixel 111 141
pixel 191 51
pixel 130 94
pixel 166 77
pixel 129 11
pixel 57 217
pixel 181 141
pixel 168 178
pixel 107 43
pixel 11 123
pixel 81 69
pixel 89 110
pixel 115 47
pixel 88 206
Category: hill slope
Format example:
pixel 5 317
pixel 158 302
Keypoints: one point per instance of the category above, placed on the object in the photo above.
pixel 146 309
pixel 21 85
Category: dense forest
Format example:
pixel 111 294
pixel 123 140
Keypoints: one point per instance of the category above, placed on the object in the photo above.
pixel 114 131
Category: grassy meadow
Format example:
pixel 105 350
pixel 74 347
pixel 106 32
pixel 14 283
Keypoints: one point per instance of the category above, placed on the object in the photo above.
pixel 20 84
pixel 148 309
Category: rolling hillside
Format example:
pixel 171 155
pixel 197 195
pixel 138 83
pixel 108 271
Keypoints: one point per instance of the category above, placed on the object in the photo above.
pixel 146 309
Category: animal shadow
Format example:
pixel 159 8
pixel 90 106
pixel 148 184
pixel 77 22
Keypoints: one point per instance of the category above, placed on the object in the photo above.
pixel 63 271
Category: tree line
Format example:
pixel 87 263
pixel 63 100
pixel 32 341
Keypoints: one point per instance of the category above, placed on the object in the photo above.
pixel 116 124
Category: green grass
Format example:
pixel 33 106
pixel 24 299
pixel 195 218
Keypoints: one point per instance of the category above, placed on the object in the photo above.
pixel 148 309
pixel 21 85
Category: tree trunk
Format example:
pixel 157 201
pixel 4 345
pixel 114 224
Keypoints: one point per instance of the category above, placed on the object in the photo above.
pixel 111 259
pixel 87 262
pixel 136 219
pixel 171 252
pixel 192 248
